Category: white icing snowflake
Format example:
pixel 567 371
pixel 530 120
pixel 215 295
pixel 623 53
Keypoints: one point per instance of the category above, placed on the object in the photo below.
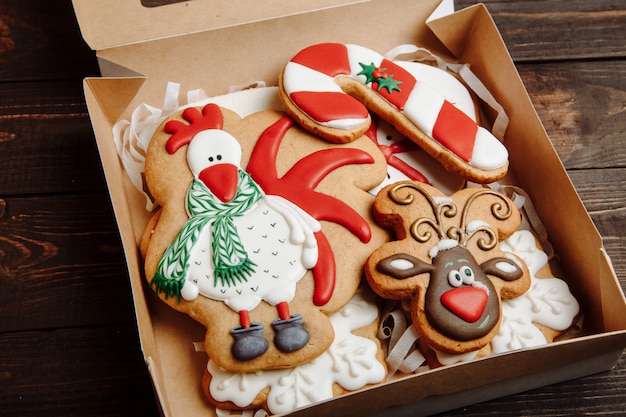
pixel 548 302
pixel 523 244
pixel 350 361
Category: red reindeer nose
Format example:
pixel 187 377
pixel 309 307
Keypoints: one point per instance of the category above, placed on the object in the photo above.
pixel 466 302
pixel 222 180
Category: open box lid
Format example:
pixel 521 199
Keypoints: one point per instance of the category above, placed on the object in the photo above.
pixel 113 23
pixel 235 54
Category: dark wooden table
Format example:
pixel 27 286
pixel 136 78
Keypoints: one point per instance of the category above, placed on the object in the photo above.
pixel 68 339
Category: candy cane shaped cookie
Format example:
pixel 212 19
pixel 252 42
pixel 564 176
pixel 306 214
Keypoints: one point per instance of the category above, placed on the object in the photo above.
pixel 330 88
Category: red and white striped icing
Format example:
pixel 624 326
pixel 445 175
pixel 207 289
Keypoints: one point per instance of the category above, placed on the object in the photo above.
pixel 435 101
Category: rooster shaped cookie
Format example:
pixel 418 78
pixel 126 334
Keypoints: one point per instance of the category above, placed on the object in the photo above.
pixel 252 214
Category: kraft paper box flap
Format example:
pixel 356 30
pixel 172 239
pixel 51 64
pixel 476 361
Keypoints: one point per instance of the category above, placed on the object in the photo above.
pixel 114 94
pixel 446 27
pixel 121 193
pixel 106 99
pixel 113 23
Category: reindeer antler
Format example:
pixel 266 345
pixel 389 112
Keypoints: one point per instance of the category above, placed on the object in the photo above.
pixel 182 133
pixel 445 208
pixel 500 210
pixel 441 208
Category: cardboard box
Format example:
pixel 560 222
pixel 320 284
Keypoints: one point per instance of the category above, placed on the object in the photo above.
pixel 205 44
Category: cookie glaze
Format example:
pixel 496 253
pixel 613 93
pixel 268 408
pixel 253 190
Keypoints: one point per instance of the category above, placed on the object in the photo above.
pixel 455 299
pixel 251 236
pixel 433 101
pixel 351 361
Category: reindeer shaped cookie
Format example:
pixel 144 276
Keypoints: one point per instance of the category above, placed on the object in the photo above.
pixel 447 261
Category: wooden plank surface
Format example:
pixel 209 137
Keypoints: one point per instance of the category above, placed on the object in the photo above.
pixel 68 341
pixel 538 30
pixel 39 40
pixel 46 139
pixel 85 371
pixel 63 264
pixel 581 104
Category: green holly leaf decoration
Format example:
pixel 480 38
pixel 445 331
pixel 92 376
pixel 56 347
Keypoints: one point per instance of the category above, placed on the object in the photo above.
pixel 389 83
pixel 368 71
pixel 373 74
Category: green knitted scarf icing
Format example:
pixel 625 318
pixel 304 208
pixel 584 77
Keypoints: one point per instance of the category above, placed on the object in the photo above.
pixel 230 260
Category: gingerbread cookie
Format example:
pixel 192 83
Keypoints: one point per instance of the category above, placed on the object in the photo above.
pixel 447 261
pixel 407 161
pixel 353 361
pixel 329 88
pixel 255 215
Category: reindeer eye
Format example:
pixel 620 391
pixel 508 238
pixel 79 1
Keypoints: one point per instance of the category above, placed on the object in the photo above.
pixel 455 278
pixel 467 274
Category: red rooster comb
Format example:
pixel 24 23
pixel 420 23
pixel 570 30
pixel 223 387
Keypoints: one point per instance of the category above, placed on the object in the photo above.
pixel 182 133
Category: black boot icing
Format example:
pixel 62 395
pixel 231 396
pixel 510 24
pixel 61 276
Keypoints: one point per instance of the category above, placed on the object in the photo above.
pixel 249 342
pixel 290 335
